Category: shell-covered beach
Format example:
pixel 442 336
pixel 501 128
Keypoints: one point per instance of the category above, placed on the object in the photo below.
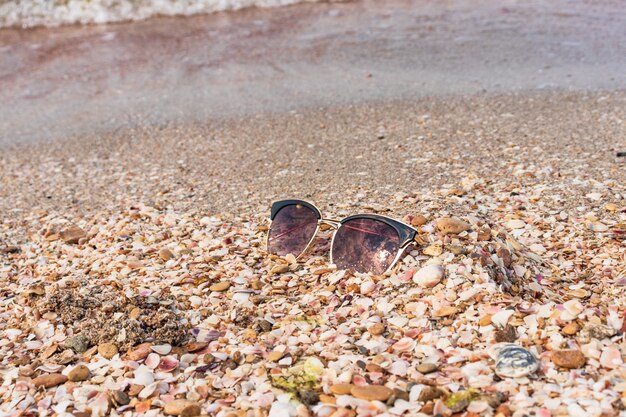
pixel 134 276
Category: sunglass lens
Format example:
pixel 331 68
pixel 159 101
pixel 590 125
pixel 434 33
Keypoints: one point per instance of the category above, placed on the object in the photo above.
pixel 292 229
pixel 365 245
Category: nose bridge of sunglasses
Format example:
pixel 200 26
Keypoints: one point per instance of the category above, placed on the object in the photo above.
pixel 327 224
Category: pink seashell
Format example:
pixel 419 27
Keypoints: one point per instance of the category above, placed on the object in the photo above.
pixel 543 412
pixel 359 381
pixel 611 358
pixel 439 408
pixel 152 361
pixel 412 333
pixel 407 275
pixel 404 345
pixel 168 364
pixel 166 398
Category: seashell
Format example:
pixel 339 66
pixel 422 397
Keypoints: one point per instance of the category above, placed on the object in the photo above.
pixel 140 352
pixel 405 344
pixel 515 224
pixel 513 361
pixel 429 276
pixel 611 358
pixel 143 376
pixel 168 364
pixel 162 349
pixel 501 318
pixel 574 308
pixel 367 287
pixel 399 368
pixel 407 275
pixel 148 390
pixel 152 361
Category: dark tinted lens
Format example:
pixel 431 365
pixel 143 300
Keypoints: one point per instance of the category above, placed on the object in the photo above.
pixel 365 245
pixel 291 230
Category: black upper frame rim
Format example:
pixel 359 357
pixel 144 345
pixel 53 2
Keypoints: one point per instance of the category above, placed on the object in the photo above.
pixel 278 205
pixel 405 232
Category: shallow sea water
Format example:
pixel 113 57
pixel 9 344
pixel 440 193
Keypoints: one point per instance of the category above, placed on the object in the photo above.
pixel 31 13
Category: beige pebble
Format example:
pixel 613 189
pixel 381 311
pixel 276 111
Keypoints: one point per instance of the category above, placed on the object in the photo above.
pixel 341 389
pixel 612 207
pixel 445 311
pixel 570 329
pixel 275 356
pixel 166 254
pixel 78 373
pixel 183 408
pixel 485 320
pixel 433 250
pixel 49 380
pixel 569 358
pixel 418 220
pixel 452 225
pixel 72 234
pixel 220 286
pixel 376 329
pixel 426 368
pixel 371 392
pixel 107 350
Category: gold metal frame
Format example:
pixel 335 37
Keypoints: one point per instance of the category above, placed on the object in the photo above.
pixel 336 224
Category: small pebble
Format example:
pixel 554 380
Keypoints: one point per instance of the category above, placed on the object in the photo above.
pixel 107 350
pixel 183 408
pixel 454 226
pixel 49 380
pixel 78 373
pixel 371 392
pixel 341 389
pixel 428 276
pixel 220 286
pixel 569 358
pixel 426 368
pixel 376 329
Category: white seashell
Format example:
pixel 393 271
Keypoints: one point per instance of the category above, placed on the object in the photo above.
pixel 399 368
pixel 190 357
pixel 429 276
pixel 611 358
pixel 367 287
pixel 148 390
pixel 152 361
pixel 515 224
pixel 501 318
pixel 195 301
pixel 143 376
pixel 162 349
pixel 574 307
pixel 477 407
pixel 398 321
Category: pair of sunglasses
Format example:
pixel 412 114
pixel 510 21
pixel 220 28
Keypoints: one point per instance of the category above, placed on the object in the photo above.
pixel 365 243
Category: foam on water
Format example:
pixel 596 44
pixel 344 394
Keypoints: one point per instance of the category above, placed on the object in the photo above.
pixel 31 13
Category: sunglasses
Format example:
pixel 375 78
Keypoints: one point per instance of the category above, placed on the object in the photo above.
pixel 366 243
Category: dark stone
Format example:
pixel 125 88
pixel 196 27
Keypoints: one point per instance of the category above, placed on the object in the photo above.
pixel 508 334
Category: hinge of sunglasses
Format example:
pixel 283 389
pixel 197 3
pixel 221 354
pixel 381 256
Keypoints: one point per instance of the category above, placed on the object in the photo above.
pixel 329 223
